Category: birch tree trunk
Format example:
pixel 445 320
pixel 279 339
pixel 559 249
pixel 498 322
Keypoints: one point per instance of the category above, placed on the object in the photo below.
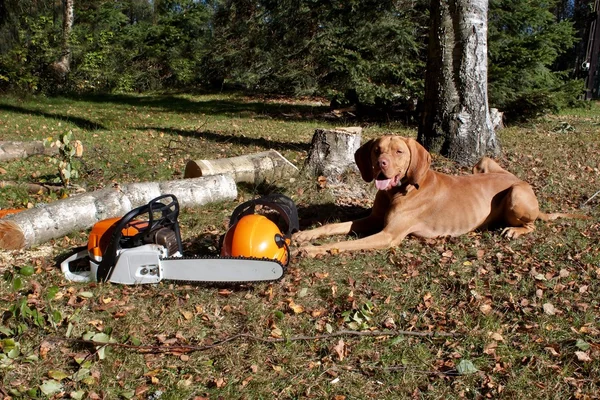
pixel 62 67
pixel 456 117
pixel 40 224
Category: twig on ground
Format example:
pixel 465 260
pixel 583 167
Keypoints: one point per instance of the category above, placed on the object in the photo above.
pixel 182 348
pixel 590 199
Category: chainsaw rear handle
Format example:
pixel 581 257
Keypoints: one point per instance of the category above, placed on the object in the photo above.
pixel 166 207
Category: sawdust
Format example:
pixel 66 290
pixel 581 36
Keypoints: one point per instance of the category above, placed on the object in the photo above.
pixel 17 258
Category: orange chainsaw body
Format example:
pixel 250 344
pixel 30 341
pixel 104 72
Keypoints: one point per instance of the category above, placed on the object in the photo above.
pixel 102 232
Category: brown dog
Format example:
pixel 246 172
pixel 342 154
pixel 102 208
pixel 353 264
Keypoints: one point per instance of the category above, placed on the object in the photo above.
pixel 413 199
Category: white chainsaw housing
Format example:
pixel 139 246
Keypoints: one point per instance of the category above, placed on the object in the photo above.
pixel 137 265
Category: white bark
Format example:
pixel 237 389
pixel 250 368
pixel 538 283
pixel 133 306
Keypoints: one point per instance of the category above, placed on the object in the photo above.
pixel 63 66
pixel 14 150
pixel 251 168
pixel 456 121
pixel 40 224
pixel 332 151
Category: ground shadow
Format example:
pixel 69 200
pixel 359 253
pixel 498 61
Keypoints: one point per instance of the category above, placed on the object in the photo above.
pixel 82 123
pixel 219 137
pixel 177 104
pixel 320 214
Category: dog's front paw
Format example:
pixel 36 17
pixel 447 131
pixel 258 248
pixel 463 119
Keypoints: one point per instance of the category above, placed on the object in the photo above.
pixel 310 251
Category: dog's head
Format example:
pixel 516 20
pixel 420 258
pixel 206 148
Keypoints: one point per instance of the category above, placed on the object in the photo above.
pixel 392 161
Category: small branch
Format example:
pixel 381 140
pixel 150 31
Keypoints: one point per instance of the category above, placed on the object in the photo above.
pixel 590 199
pixel 191 348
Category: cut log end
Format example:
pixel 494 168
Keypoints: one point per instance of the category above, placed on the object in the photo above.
pixel 11 236
pixel 192 169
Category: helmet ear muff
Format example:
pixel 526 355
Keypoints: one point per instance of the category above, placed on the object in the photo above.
pixel 280 240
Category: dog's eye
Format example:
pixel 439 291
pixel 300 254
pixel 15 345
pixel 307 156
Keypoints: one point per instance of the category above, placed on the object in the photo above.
pixel 377 151
pixel 399 151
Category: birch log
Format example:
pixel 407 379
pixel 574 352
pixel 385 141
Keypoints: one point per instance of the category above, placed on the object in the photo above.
pixel 15 150
pixel 40 224
pixel 332 151
pixel 251 168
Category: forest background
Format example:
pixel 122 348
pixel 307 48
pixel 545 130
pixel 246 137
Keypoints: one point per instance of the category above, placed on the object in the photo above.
pixel 367 53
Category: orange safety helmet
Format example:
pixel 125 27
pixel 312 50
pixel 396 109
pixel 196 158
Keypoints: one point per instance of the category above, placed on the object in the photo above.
pixel 254 235
pixel 257 236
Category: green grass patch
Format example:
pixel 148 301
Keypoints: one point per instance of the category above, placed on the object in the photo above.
pixel 524 313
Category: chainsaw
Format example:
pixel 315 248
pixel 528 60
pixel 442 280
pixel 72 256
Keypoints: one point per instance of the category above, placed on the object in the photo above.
pixel 144 247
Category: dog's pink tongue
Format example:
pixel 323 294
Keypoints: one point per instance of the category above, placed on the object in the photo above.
pixel 382 184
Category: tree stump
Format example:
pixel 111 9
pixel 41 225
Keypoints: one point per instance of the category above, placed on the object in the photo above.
pixel 332 151
pixel 251 168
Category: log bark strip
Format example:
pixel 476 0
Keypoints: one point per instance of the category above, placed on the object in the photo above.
pixel 14 150
pixel 50 221
pixel 251 168
pixel 33 188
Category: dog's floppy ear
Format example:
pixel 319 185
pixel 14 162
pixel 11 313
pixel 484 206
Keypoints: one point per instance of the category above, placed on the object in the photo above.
pixel 363 160
pixel 420 160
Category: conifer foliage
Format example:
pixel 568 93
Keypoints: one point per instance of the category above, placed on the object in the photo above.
pixel 352 51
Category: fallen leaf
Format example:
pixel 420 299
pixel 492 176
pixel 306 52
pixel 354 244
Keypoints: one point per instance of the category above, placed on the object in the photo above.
pixel 465 367
pixel 582 345
pixel 246 381
pixel 340 348
pixel 496 336
pixel 297 308
pixel 490 348
pixel 583 356
pixel 57 375
pixel 44 349
pixel 485 309
pixel 552 351
pixel 549 309
pixel 389 323
pixel 564 273
pixel 50 387
pixel 276 333
pixel 322 182
pixel 188 315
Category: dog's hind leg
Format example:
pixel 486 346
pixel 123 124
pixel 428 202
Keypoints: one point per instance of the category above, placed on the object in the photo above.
pixel 520 209
pixel 487 165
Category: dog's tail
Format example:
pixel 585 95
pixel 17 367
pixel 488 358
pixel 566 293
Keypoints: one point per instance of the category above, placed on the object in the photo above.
pixel 553 216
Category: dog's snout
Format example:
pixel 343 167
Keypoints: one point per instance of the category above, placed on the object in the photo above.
pixel 383 162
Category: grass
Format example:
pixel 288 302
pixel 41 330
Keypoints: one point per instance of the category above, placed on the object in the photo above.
pixel 525 312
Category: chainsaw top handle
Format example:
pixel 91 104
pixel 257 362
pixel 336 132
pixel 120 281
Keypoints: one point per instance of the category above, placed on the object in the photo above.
pixel 161 212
